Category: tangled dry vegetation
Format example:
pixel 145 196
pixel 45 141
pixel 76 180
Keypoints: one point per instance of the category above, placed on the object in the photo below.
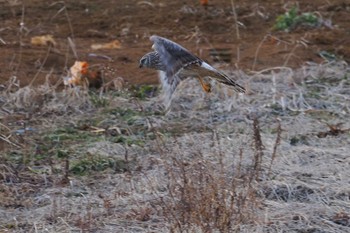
pixel 274 160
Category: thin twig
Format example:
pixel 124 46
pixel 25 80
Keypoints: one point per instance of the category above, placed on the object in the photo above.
pixel 257 51
pixel 277 143
pixel 8 141
pixel 41 66
pixel 236 20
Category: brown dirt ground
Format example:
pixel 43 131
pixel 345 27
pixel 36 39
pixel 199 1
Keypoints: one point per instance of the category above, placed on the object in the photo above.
pixel 187 22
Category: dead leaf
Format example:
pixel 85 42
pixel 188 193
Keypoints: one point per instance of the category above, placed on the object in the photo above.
pixel 44 40
pixel 111 45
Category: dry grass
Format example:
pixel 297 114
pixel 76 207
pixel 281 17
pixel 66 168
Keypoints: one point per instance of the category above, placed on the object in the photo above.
pixel 218 163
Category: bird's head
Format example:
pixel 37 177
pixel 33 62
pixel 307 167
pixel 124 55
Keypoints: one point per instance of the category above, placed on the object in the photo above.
pixel 145 61
pixel 151 60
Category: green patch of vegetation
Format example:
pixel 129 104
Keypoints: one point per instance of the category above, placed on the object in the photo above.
pixel 98 100
pixel 291 19
pixel 66 134
pixel 16 157
pixel 128 140
pixel 144 91
pixel 61 154
pixel 10 226
pixel 97 163
pixel 127 115
pixel 276 109
pixel 57 143
pixel 130 116
pixel 87 123
pixel 322 115
pixel 299 139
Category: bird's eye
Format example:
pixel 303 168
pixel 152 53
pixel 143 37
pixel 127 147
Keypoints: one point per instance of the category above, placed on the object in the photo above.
pixel 142 62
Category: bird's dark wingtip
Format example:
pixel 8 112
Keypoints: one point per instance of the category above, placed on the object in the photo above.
pixel 240 89
pixel 235 86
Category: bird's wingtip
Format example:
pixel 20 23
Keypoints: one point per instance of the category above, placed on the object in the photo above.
pixel 153 37
pixel 240 89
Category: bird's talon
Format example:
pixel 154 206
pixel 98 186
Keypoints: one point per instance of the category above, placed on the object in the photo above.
pixel 206 87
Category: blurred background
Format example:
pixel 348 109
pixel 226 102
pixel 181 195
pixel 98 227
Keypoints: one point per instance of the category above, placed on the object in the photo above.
pixel 247 35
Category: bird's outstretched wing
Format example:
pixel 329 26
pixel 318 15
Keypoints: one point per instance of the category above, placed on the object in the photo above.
pixel 174 58
pixel 172 55
pixel 180 64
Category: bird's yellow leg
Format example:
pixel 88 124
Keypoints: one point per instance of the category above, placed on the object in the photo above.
pixel 206 86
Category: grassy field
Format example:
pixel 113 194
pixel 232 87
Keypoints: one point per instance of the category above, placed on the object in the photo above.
pixel 273 160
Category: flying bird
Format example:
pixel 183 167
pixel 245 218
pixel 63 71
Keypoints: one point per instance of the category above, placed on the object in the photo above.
pixel 175 63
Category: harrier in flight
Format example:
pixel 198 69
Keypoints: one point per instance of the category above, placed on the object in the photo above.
pixel 175 63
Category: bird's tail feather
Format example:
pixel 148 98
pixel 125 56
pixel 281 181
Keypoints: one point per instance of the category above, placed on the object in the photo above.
pixel 223 78
pixel 231 82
